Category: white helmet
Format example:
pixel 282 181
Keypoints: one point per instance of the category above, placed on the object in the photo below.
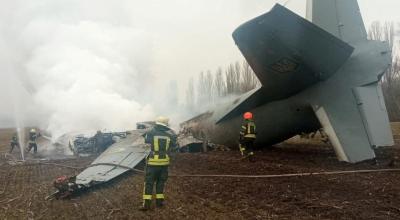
pixel 161 120
pixel 33 130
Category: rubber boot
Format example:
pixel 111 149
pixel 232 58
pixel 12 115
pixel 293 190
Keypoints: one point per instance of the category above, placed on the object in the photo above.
pixel 250 155
pixel 146 205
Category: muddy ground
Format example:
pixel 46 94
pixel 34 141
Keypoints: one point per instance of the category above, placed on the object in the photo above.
pixel 352 196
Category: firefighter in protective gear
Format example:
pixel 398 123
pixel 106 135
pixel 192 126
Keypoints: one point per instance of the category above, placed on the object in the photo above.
pixel 32 141
pixel 163 141
pixel 247 136
pixel 14 142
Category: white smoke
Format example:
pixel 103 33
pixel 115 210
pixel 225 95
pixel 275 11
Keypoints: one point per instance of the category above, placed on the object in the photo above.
pixel 88 75
pixel 95 64
pixel 82 72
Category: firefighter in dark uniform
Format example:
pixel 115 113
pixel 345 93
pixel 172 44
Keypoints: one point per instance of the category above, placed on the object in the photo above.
pixel 99 145
pixel 32 141
pixel 247 136
pixel 14 142
pixel 163 141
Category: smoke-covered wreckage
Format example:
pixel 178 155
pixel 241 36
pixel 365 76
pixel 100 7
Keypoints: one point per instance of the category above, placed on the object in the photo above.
pixel 318 73
pixel 83 145
pixel 122 155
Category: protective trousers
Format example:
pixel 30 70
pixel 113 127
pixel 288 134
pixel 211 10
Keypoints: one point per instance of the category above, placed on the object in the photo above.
pixel 32 145
pixel 246 147
pixel 12 145
pixel 155 175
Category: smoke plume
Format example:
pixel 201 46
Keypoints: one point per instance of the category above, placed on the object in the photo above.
pixel 71 65
pixel 81 72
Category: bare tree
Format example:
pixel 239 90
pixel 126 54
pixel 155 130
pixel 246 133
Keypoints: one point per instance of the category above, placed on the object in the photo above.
pixel 190 95
pixel 391 80
pixel 209 81
pixel 375 31
pixel 219 83
pixel 232 75
pixel 201 90
pixel 229 75
pixel 249 79
pixel 239 78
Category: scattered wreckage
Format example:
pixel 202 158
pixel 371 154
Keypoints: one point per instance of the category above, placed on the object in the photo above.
pixel 120 156
pixel 89 143
pixel 190 144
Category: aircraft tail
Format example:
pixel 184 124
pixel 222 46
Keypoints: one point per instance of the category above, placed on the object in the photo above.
pixel 328 64
pixel 341 18
pixel 286 58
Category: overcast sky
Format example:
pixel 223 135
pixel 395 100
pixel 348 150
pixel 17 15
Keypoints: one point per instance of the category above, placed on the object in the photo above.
pixel 213 46
pixel 170 40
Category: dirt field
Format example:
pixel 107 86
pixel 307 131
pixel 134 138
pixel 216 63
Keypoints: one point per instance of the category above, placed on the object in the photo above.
pixel 352 196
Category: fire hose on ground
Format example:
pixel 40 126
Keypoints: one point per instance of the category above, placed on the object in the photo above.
pixel 235 175
pixel 66 185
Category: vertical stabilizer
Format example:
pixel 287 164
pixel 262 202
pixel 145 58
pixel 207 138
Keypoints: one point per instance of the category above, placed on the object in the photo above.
pixel 341 18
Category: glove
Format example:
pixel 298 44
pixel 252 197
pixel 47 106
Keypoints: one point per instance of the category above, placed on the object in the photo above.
pixel 242 149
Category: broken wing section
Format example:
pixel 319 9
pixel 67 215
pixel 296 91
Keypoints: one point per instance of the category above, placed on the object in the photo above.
pixel 285 50
pixel 117 159
pixel 342 18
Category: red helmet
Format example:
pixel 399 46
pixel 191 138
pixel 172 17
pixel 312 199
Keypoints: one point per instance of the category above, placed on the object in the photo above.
pixel 248 115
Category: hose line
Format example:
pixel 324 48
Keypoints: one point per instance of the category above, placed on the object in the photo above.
pixel 267 176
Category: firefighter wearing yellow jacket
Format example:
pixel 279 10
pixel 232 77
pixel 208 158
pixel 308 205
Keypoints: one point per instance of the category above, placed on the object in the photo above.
pixel 247 136
pixel 163 141
pixel 33 135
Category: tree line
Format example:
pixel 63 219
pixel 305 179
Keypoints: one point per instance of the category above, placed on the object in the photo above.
pixel 210 87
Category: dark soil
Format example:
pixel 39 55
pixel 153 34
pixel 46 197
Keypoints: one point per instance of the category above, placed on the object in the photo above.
pixel 350 196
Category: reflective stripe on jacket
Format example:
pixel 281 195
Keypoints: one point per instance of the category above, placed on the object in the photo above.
pixel 248 130
pixel 162 141
pixel 159 151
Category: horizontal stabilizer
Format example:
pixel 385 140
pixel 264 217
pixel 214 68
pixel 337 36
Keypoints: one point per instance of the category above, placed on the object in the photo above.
pixel 285 51
pixel 252 99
